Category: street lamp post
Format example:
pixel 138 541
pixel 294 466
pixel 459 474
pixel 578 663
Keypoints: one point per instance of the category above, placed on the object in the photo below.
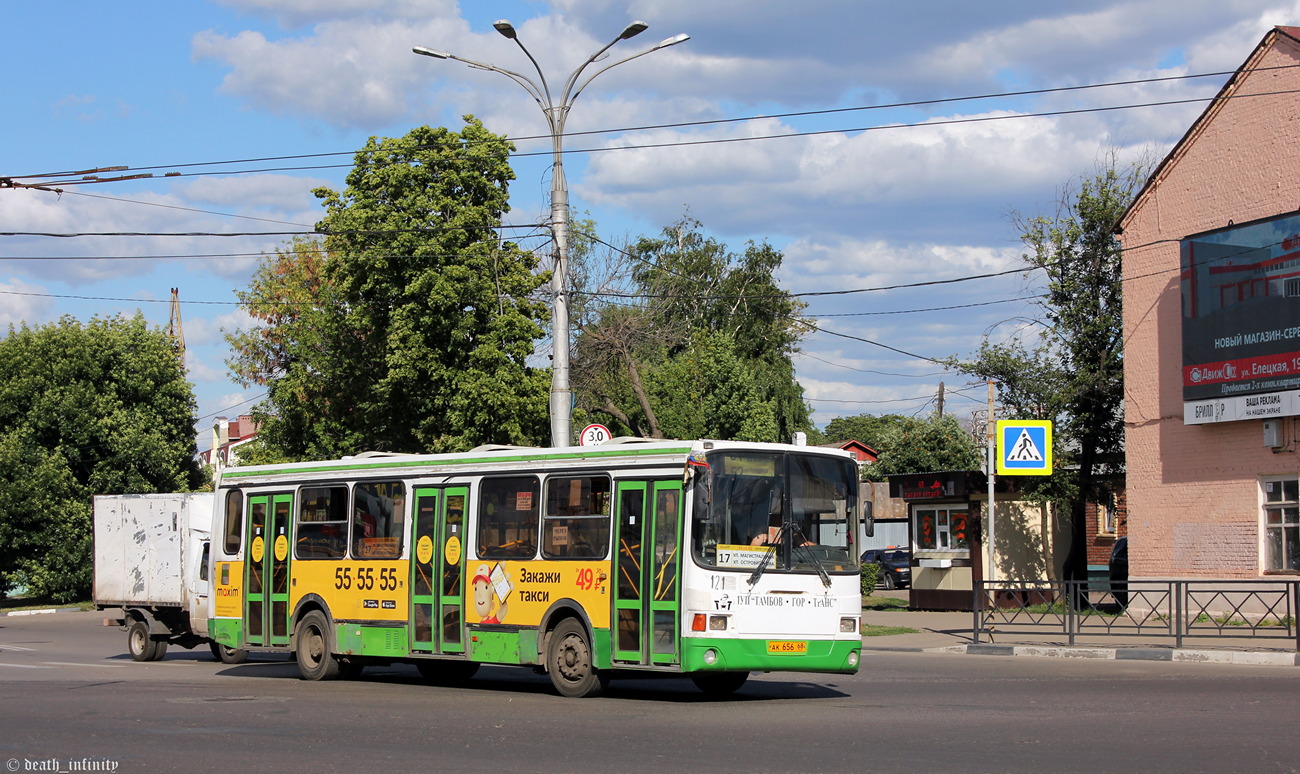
pixel 557 112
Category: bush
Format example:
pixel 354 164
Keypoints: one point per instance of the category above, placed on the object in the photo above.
pixel 870 576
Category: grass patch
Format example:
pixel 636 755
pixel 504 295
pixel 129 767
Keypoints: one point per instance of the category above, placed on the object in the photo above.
pixel 1228 619
pixel 883 603
pixel 873 630
pixel 15 604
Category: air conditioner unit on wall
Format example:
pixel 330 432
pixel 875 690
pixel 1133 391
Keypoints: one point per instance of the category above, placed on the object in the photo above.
pixel 1273 436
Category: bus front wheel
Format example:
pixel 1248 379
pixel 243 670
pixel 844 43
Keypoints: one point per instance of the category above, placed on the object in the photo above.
pixel 226 654
pixel 315 659
pixel 569 661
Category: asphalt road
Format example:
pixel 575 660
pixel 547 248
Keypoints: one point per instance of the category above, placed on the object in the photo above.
pixel 71 698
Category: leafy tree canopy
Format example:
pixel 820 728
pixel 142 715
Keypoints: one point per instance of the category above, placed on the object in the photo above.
pixel 100 408
pixel 1073 372
pixel 865 428
pixel 408 326
pixel 924 446
pixel 698 345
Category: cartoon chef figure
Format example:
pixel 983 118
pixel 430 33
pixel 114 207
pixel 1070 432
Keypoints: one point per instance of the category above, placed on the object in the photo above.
pixel 485 595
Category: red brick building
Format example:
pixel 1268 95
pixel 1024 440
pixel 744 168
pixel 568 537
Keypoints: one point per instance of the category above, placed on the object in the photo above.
pixel 1212 335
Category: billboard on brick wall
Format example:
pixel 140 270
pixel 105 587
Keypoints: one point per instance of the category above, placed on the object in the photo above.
pixel 1241 322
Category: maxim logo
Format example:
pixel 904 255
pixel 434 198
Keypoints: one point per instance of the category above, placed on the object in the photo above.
pixel 1225 372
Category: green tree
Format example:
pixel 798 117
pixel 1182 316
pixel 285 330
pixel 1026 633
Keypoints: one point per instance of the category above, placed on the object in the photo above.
pixel 866 428
pixel 1073 373
pixel 707 391
pixel 407 328
pixel 646 363
pixel 924 446
pixel 101 408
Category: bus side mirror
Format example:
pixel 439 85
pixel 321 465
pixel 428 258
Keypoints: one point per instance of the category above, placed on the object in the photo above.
pixel 868 513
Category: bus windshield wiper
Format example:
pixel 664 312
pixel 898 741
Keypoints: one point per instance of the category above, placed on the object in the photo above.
pixel 768 555
pixel 817 563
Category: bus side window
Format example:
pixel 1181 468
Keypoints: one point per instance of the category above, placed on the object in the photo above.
pixel 323 523
pixel 234 521
pixel 378 518
pixel 507 524
pixel 577 519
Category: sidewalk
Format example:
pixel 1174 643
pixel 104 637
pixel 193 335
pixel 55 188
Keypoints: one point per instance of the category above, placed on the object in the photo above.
pixel 950 632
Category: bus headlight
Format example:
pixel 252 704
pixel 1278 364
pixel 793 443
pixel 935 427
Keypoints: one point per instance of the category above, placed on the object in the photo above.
pixel 710 657
pixel 853 659
pixel 717 623
pixel 848 625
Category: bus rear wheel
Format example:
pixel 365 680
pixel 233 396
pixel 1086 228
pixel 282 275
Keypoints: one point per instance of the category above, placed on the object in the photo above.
pixel 316 661
pixel 569 662
pixel 719 683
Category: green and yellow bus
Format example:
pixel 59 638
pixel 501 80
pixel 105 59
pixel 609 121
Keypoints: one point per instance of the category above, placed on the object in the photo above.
pixel 710 559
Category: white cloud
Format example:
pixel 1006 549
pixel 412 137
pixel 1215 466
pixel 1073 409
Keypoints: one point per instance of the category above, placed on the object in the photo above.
pixel 23 302
pixel 202 331
pixel 283 194
pixel 901 183
pixel 841 264
pixel 293 13
pixel 201 368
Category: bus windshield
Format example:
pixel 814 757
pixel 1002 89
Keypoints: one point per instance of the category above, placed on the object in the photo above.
pixel 775 511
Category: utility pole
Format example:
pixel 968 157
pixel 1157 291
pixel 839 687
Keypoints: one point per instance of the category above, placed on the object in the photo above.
pixel 174 328
pixel 941 400
pixel 556 111
pixel 992 463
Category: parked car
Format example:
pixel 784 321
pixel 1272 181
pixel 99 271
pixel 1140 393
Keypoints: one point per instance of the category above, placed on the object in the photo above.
pixel 895 565
pixel 1119 571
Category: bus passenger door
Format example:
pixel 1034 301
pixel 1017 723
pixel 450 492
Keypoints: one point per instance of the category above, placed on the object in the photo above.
pixel 646 618
pixel 664 564
pixel 266 611
pixel 437 584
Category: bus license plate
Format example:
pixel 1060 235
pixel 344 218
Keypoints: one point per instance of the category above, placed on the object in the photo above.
pixel 786 646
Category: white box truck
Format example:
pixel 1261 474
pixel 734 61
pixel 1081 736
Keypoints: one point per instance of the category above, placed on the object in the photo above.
pixel 151 569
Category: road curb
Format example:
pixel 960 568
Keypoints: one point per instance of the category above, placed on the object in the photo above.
pixel 1247 658
pixel 43 611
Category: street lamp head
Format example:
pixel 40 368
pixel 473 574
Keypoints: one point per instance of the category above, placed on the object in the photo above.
pixel 680 37
pixel 430 52
pixel 506 29
pixel 632 30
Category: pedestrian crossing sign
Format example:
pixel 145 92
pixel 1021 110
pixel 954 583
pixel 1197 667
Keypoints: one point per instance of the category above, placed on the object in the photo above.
pixel 1024 447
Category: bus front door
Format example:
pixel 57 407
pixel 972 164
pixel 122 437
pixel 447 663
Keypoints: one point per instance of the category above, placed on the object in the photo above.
pixel 266 611
pixel 437 580
pixel 647 570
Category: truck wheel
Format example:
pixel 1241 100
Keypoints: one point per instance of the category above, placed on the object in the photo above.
pixel 568 660
pixel 141 645
pixel 316 661
pixel 719 683
pixel 228 655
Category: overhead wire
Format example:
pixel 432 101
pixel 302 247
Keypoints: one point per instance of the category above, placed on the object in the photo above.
pixel 676 125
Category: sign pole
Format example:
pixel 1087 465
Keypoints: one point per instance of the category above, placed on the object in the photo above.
pixel 991 573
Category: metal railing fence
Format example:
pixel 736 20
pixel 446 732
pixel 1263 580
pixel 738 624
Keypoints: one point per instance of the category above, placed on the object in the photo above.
pixel 1178 610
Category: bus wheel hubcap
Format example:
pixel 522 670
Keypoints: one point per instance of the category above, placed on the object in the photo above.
pixel 573 658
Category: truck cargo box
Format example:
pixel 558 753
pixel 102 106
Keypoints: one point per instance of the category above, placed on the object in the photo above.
pixel 148 547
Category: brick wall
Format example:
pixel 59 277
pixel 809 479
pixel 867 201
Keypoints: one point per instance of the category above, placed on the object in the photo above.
pixel 1193 490
pixel 1099 542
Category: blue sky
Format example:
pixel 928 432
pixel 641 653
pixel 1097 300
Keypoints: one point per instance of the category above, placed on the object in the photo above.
pixel 167 85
